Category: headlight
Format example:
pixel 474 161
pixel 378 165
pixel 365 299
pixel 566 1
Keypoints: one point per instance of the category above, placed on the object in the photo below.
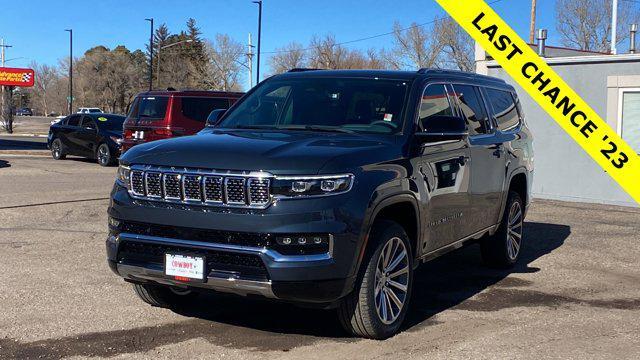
pixel 302 186
pixel 122 176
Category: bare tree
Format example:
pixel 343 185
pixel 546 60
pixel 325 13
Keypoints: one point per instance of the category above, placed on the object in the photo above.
pixel 415 47
pixel 457 46
pixel 287 57
pixel 225 56
pixel 46 77
pixel 586 24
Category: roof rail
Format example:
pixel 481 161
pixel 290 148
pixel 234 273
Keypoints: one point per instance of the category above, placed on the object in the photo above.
pixel 303 69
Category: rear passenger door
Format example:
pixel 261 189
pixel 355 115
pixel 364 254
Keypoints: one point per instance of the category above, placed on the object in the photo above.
pixel 88 135
pixel 487 163
pixel 68 133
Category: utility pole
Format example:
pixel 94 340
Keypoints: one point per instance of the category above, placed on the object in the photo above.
pixel 250 61
pixel 259 2
pixel 532 26
pixel 70 31
pixel 6 114
pixel 150 55
pixel 614 27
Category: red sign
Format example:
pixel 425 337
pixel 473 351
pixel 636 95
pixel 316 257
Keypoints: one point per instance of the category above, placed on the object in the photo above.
pixel 17 77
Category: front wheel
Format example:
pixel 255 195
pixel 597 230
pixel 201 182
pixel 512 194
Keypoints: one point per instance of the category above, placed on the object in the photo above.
pixel 57 150
pixel 103 154
pixel 503 248
pixel 162 296
pixel 378 305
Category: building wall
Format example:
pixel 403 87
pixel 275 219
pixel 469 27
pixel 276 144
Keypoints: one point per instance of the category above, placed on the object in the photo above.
pixel 563 171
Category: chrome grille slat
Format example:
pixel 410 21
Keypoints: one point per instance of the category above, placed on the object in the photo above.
pixel 201 187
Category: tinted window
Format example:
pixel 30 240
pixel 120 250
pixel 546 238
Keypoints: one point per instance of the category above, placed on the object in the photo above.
pixel 73 120
pixel 504 108
pixel 153 107
pixel 87 122
pixel 434 103
pixel 472 106
pixel 198 109
pixel 110 122
pixel 361 105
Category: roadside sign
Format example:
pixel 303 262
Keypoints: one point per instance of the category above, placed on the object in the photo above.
pixel 17 77
pixel 549 91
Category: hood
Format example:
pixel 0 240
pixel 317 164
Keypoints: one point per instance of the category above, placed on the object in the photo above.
pixel 286 152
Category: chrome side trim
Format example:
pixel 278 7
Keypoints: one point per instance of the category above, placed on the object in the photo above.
pixel 455 245
pixel 229 284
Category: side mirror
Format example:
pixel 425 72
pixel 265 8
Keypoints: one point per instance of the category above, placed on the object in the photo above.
pixel 443 127
pixel 214 116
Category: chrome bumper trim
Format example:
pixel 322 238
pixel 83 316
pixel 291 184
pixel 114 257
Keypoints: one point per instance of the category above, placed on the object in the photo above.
pixel 223 284
pixel 271 254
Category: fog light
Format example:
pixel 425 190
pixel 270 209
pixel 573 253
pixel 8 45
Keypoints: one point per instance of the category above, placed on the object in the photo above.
pixel 302 240
pixel 286 241
pixel 300 186
pixel 317 240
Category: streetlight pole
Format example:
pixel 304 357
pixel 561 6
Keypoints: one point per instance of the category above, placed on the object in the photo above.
pixel 250 61
pixel 165 47
pixel 150 55
pixel 259 2
pixel 70 31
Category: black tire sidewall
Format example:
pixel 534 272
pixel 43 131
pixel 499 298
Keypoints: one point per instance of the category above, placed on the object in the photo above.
pixel 381 234
pixel 59 144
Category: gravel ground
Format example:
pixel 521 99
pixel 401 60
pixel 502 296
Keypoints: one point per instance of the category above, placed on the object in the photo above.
pixel 574 295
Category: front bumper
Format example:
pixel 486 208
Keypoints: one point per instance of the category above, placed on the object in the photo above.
pixel 313 278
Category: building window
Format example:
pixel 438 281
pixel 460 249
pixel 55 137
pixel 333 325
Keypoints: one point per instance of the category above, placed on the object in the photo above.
pixel 629 115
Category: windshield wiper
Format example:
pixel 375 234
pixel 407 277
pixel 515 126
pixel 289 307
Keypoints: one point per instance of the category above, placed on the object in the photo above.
pixel 248 126
pixel 317 128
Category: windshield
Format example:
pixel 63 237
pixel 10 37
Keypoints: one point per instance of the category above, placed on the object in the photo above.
pixel 110 122
pixel 152 107
pixel 324 104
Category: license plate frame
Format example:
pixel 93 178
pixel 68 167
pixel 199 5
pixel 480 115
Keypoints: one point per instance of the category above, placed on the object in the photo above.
pixel 185 267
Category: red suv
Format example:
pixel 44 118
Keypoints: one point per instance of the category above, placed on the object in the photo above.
pixel 159 115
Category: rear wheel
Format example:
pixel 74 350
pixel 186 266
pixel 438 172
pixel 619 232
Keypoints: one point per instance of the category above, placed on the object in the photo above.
pixel 103 154
pixel 378 305
pixel 504 247
pixel 162 296
pixel 58 152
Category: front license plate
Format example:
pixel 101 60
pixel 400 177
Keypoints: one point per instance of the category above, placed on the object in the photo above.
pixel 181 266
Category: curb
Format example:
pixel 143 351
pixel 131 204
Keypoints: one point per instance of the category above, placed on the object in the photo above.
pixel 25 152
pixel 24 135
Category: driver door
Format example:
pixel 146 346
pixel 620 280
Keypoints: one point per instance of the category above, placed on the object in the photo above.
pixel 445 175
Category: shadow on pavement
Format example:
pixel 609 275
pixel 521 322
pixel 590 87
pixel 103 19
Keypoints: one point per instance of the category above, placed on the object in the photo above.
pixel 23 144
pixel 4 164
pixel 245 323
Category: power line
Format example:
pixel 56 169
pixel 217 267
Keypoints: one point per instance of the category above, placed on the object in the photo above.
pixel 368 37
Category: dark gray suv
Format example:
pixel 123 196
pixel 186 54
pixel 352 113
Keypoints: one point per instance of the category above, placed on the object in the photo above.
pixel 327 188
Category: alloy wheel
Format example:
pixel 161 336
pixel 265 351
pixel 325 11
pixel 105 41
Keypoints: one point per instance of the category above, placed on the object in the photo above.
pixel 392 280
pixel 56 149
pixel 103 155
pixel 514 230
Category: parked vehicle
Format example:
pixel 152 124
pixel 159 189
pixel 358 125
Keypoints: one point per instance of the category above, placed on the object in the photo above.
pixel 327 188
pixel 24 112
pixel 96 136
pixel 89 110
pixel 159 115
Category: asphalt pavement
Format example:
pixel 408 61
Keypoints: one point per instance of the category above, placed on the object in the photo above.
pixel 574 295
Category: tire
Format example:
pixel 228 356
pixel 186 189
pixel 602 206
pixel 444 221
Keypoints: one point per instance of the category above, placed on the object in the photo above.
pixel 58 151
pixel 360 312
pixel 103 155
pixel 162 296
pixel 503 249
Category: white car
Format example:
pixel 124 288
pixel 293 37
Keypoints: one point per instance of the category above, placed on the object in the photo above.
pixel 87 110
pixel 57 119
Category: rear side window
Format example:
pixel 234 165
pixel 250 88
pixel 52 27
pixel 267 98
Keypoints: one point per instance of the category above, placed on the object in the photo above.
pixel 504 108
pixel 152 107
pixel 198 108
pixel 435 102
pixel 472 107
pixel 73 120
pixel 88 123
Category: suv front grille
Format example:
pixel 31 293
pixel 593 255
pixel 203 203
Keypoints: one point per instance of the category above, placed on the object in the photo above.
pixel 193 186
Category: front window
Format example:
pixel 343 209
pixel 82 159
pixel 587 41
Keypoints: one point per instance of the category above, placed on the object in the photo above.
pixel 322 104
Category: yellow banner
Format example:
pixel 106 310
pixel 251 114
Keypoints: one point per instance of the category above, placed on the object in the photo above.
pixel 548 89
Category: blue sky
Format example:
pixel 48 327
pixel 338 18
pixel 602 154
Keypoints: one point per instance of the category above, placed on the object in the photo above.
pixel 36 28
